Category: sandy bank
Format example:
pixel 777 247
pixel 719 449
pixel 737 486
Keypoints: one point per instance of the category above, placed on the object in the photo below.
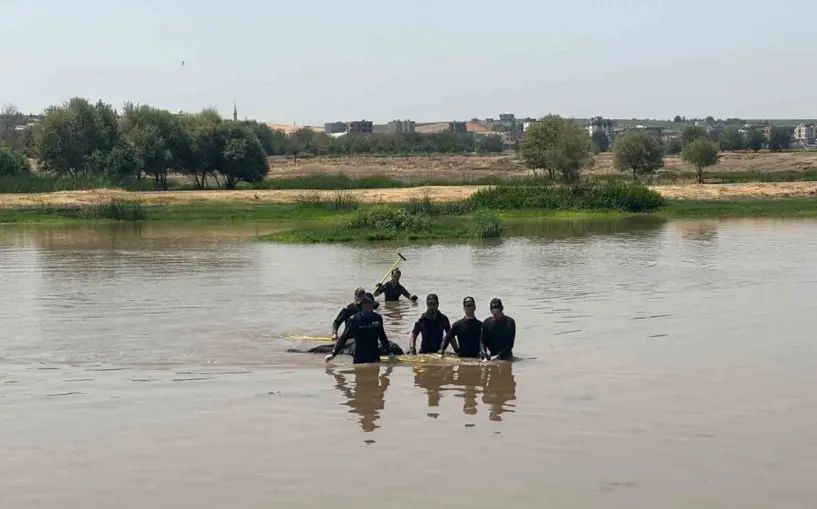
pixel 440 193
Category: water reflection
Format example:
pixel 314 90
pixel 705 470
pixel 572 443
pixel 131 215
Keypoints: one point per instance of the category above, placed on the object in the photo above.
pixel 496 384
pixel 698 232
pixel 365 395
pixel 570 229
pixel 397 316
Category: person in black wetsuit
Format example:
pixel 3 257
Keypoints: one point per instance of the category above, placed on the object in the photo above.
pixel 348 312
pixel 432 325
pixel 498 333
pixel 467 331
pixel 392 290
pixel 367 329
pixel 343 318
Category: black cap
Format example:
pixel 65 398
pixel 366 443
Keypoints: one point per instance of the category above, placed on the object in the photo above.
pixel 496 304
pixel 432 297
pixel 468 301
pixel 367 297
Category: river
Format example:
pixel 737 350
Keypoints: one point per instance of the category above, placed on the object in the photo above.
pixel 666 364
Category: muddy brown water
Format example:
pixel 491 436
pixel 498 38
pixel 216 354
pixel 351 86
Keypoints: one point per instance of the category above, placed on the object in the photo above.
pixel 667 365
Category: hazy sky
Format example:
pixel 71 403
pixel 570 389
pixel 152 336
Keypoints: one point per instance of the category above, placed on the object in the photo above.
pixel 320 60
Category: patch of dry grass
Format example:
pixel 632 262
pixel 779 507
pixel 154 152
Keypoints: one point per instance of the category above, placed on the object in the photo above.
pixel 402 195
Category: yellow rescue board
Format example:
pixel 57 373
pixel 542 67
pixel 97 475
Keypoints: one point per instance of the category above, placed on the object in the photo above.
pixel 321 339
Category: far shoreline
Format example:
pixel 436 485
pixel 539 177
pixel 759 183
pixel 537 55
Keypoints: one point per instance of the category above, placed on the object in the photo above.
pixel 686 192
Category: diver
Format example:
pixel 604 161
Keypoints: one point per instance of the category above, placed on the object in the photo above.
pixel 432 325
pixel 498 333
pixel 367 329
pixel 393 290
pixel 464 335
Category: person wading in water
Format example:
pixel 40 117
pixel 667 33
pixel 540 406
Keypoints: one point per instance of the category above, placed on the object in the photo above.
pixel 348 312
pixel 367 329
pixel 343 318
pixel 432 325
pixel 467 331
pixel 498 333
pixel 392 290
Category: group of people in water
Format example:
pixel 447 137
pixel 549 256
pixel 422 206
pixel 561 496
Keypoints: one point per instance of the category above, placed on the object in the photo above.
pixel 469 337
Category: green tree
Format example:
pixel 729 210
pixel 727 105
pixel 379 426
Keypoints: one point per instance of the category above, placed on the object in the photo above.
pixel 558 146
pixel 601 142
pixel 677 119
pixel 780 139
pixel 490 144
pixel 274 141
pixel 12 162
pixel 732 139
pixel 205 135
pixel 303 141
pixel 73 135
pixel 701 154
pixel 154 140
pixel 11 121
pixel 244 158
pixel 638 152
pixel 755 139
pixel 692 133
pixel 673 146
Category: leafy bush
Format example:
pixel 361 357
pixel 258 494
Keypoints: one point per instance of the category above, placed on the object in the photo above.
pixel 31 183
pixel 390 218
pixel 485 225
pixel 426 206
pixel 337 201
pixel 120 210
pixel 330 182
pixel 12 162
pixel 116 209
pixel 631 197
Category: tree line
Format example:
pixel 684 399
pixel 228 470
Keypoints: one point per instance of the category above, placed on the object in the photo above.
pixel 561 149
pixel 142 142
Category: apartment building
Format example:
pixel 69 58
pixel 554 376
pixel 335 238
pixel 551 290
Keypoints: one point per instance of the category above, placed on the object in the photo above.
pixel 360 126
pixel 603 125
pixel 805 134
pixel 334 127
pixel 457 127
pixel 400 126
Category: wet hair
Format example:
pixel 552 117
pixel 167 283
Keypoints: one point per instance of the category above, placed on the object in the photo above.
pixel 396 272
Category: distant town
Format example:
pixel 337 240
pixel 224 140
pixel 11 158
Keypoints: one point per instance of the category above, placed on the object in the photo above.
pixel 511 129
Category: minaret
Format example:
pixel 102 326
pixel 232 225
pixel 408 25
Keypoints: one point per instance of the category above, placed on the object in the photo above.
pixel 235 113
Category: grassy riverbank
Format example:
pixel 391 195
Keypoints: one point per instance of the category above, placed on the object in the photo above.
pixel 312 216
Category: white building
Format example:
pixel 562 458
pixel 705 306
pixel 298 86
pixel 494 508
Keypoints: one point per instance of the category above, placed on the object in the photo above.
pixel 805 134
